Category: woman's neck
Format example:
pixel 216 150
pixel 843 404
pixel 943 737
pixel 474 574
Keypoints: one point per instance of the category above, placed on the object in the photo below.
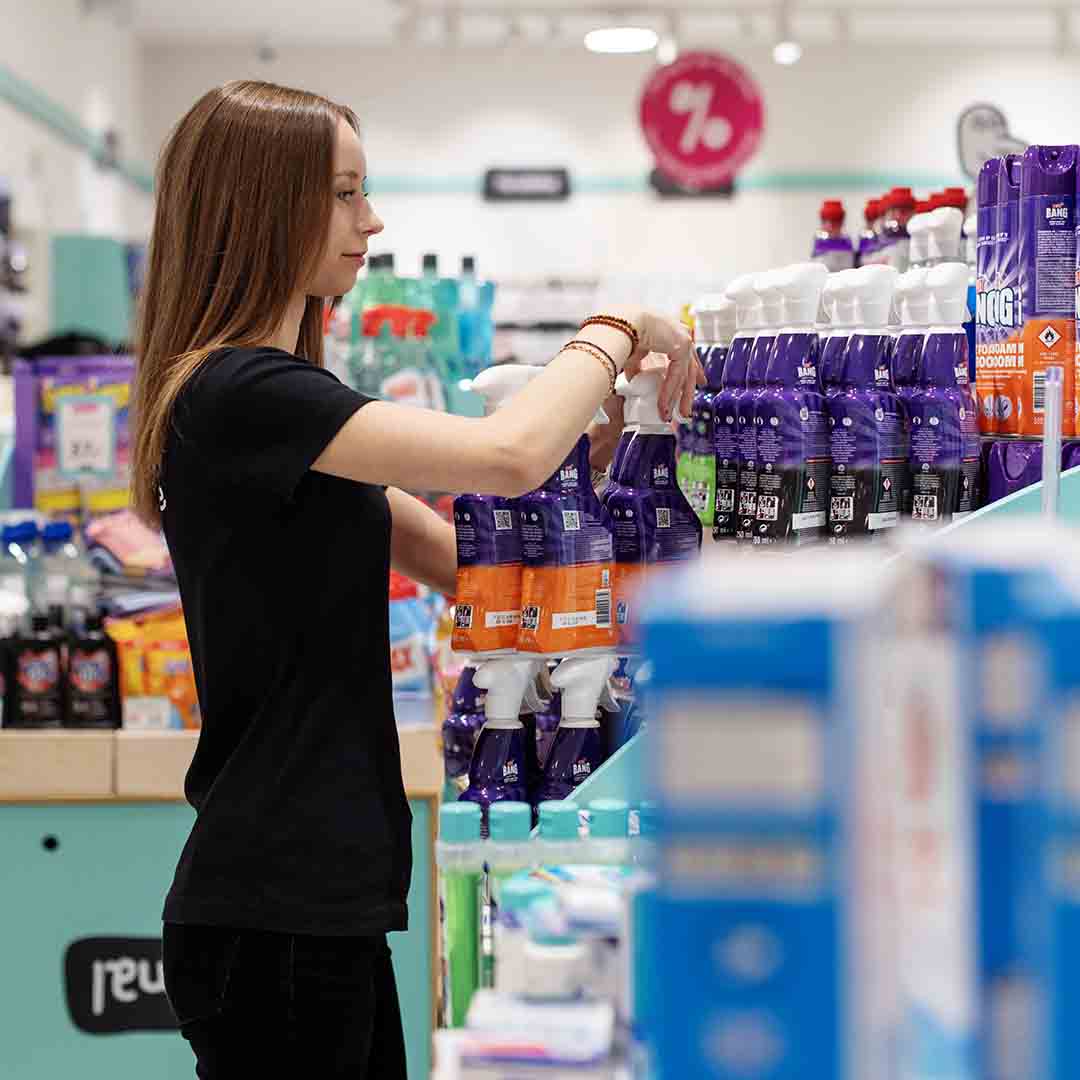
pixel 287 335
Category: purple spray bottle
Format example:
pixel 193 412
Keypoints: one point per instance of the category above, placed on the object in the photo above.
pixel 792 429
pixel 461 726
pixel 944 453
pixel 578 749
pixel 838 300
pixel 913 303
pixel 866 430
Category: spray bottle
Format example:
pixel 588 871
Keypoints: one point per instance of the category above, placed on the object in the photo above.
pixel 461 863
pixel 895 241
pixel 913 302
pixel 832 246
pixel 944 433
pixel 578 750
pixel 792 429
pixel 866 431
pixel 488 604
pixel 463 722
pixel 838 299
pixel 868 238
pixel 918 236
pixel 651 519
pixel 768 320
pixel 728 427
pixel 630 426
pixel 499 769
pixel 1001 377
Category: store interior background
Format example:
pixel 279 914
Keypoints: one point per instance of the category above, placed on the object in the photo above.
pixel 872 103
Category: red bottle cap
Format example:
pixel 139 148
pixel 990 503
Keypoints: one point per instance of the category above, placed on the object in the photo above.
pixel 955 196
pixel 872 210
pixel 832 210
pixel 900 198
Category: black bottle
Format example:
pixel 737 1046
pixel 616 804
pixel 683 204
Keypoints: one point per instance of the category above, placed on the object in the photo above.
pixel 37 689
pixel 93 699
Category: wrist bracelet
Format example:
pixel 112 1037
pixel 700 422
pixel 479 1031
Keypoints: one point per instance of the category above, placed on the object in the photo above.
pixel 614 322
pixel 598 353
pixel 599 348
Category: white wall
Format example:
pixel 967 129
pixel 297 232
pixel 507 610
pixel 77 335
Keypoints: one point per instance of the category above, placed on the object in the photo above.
pixel 443 116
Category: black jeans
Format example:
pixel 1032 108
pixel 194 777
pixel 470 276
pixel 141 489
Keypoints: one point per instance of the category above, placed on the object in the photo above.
pixel 254 1003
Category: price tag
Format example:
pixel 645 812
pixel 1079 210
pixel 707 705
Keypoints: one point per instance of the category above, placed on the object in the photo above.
pixel 86 435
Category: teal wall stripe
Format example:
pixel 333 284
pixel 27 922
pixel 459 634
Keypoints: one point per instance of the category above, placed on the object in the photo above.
pixel 40 108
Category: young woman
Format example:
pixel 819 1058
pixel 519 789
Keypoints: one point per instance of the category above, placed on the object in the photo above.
pixel 281 494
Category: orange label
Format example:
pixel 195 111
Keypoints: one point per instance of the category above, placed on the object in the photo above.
pixel 487 608
pixel 566 608
pixel 629 578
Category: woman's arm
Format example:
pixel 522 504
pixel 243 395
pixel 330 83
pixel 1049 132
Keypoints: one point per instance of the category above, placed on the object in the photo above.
pixel 516 448
pixel 422 544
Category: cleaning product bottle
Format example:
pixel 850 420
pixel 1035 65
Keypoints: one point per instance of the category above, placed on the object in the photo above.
pixel 838 299
pixel 547 724
pixel 866 430
pixel 608 842
pixel 511 934
pixel 459 855
pixel 712 339
pixel 918 236
pixel 652 520
pixel 868 238
pixel 68 576
pixel 499 767
pixel 944 431
pixel 37 688
pixel 505 853
pixel 718 465
pixel 768 320
pixel 727 441
pixel 578 748
pixel 832 246
pixel 895 242
pixel 792 429
pixel 630 426
pixel 986 252
pixel 1048 219
pixel 913 302
pixel 558 842
pixel 464 719
pixel 487 611
pixel 701 467
pixel 92 696
pixel 568 558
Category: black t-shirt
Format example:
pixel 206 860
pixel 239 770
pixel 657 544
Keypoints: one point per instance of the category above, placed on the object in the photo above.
pixel 302 824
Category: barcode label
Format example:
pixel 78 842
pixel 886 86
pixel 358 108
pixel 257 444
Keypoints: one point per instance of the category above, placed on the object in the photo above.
pixel 663 517
pixel 768 507
pixel 603 607
pixel 1038 391
pixel 747 503
pixel 842 508
pixel 924 508
pixel 463 617
pixel 571 520
pixel 530 618
pixel 504 520
pixel 725 500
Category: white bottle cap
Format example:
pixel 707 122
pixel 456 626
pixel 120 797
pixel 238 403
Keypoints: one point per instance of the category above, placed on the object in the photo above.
pixel 948 284
pixel 582 680
pixel 838 296
pixel 714 319
pixel 747 302
pixel 919 248
pixel 505 680
pixel 772 300
pixel 800 288
pixel 873 287
pixel 943 233
pixel 913 298
pixel 498 384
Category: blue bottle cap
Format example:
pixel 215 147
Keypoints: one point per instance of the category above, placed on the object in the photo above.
pixel 459 823
pixel 509 822
pixel 609 819
pixel 57 532
pixel 20 533
pixel 559 819
pixel 520 893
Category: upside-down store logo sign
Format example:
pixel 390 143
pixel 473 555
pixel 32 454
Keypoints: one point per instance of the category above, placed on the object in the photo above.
pixel 116 984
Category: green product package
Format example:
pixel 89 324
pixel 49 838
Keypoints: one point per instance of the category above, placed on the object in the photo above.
pixel 460 887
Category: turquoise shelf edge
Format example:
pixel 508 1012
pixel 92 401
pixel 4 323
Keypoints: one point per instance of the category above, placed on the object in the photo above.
pixel 1029 501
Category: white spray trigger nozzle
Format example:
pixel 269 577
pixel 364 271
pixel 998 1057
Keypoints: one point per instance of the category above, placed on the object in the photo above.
pixel 772 299
pixel 943 233
pixel 913 297
pixel 838 295
pixel 747 302
pixel 919 233
pixel 582 680
pixel 642 399
pixel 505 680
pixel 948 285
pixel 800 288
pixel 873 288
pixel 498 384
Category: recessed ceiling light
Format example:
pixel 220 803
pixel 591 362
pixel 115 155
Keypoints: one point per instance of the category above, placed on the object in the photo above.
pixel 621 39
pixel 787 52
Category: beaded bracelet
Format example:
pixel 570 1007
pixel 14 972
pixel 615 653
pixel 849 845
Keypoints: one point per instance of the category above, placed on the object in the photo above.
pixel 595 351
pixel 616 323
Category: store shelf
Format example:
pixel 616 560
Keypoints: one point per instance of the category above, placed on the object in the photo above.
pixel 63 765
pixel 1029 501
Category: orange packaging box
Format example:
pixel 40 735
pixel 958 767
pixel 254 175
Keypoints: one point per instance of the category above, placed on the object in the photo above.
pixel 566 608
pixel 487 608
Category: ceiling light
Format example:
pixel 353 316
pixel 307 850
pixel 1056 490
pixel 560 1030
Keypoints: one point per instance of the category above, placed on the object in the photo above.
pixel 787 52
pixel 667 52
pixel 621 39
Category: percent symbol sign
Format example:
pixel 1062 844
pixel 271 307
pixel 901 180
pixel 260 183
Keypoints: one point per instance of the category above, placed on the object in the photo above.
pixel 693 101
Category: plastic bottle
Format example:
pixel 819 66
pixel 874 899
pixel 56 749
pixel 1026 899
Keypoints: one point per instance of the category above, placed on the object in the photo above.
pixel 22 574
pixel 944 454
pixel 652 520
pixel 913 301
pixel 918 236
pixel 943 229
pixel 464 719
pixel 68 577
pixel 838 298
pixel 866 428
pixel 92 694
pixel 868 238
pixel 499 767
pixel 895 242
pixel 474 317
pixel 608 842
pixel 506 852
pixel 986 253
pixel 792 428
pixel 512 973
pixel 578 749
pixel 559 839
pixel 36 691
pixel 487 529
pixel 832 246
pixel 459 855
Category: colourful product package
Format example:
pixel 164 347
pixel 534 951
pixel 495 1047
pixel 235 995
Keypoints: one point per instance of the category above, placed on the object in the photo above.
pixel 568 558
pixel 986 293
pixel 169 675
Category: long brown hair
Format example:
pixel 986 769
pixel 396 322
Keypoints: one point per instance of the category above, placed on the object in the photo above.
pixel 244 194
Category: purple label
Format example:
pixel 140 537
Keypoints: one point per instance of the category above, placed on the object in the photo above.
pixel 905 361
pixel 944 454
pixel 833 351
pixel 1048 255
pixel 486 529
pixel 836 252
pixel 575 755
pixel 726 452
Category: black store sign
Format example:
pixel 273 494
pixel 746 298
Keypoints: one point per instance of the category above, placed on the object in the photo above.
pixel 526 185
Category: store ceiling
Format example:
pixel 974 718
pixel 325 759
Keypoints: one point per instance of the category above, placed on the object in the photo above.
pixel 278 23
